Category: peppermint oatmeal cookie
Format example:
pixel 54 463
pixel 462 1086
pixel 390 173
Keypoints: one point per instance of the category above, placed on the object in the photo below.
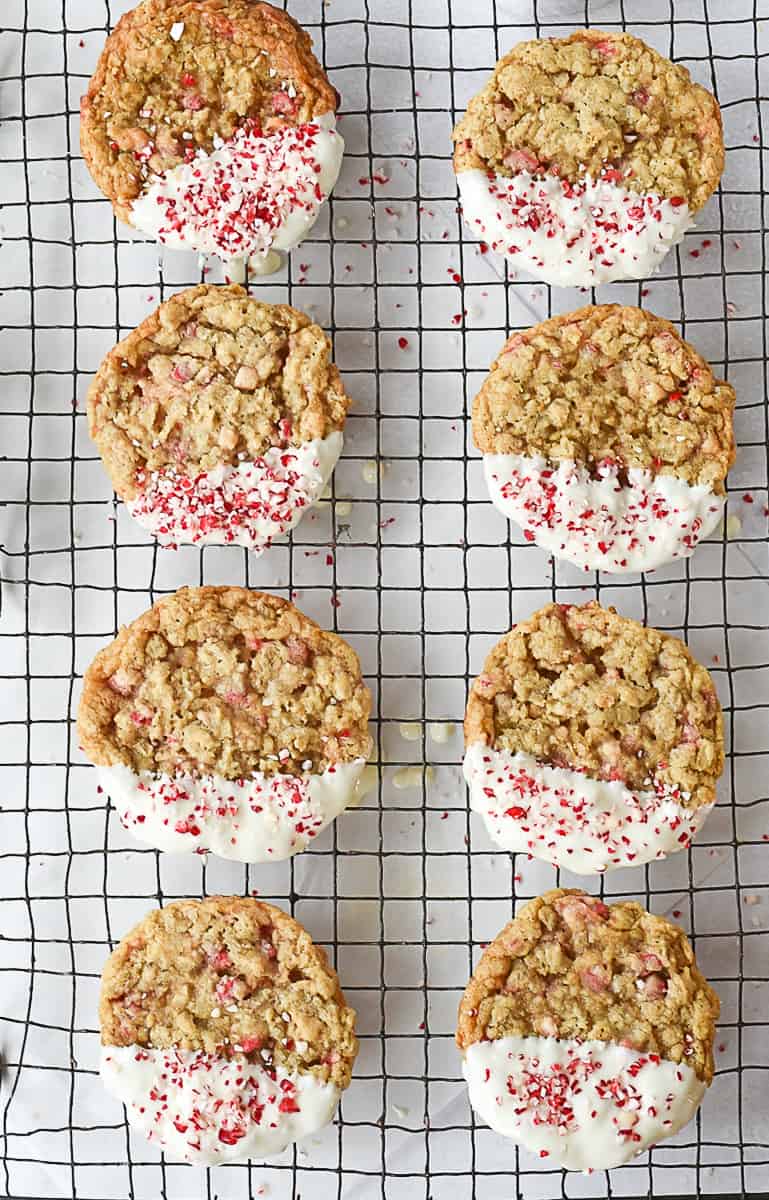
pixel 591 741
pixel 224 1030
pixel 607 438
pixel 584 158
pixel 224 719
pixel 587 1030
pixel 210 125
pixel 220 418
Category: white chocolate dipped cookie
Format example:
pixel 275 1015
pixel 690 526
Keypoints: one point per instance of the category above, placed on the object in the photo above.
pixel 592 742
pixel 225 720
pixel 219 419
pixel 584 159
pixel 211 127
pixel 607 438
pixel 224 1031
pixel 587 1031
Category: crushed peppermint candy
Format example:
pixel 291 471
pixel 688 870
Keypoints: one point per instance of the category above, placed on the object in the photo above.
pixel 248 505
pixel 609 519
pixel 263 818
pixel 207 1108
pixel 253 192
pixel 573 234
pixel 570 819
pixel 588 1105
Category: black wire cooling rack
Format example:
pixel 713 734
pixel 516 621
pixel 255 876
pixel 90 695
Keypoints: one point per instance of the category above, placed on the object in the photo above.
pixel 410 563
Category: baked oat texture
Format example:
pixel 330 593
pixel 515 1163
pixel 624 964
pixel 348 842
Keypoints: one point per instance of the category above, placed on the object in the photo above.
pixel 232 62
pixel 581 687
pixel 175 977
pixel 212 377
pixel 594 102
pixel 223 680
pixel 608 382
pixel 570 966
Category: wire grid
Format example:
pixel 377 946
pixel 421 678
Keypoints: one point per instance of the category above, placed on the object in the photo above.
pixel 422 576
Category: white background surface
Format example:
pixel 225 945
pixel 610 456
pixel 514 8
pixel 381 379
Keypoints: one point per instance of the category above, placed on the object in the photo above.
pixel 389 890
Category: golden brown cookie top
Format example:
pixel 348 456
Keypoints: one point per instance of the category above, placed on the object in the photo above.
pixel 224 681
pixel 608 382
pixel 594 103
pixel 176 74
pixel 583 688
pixel 570 966
pixel 226 974
pixel 212 377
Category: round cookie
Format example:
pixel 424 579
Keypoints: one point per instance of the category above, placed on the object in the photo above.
pixel 219 419
pixel 223 719
pixel 224 1030
pixel 587 1031
pixel 607 438
pixel 592 742
pixel 584 159
pixel 210 125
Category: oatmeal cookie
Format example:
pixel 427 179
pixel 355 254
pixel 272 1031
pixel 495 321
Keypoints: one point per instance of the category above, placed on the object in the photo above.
pixel 224 719
pixel 607 438
pixel 220 418
pixel 587 1030
pixel 209 124
pixel 224 1030
pixel 592 741
pixel 583 159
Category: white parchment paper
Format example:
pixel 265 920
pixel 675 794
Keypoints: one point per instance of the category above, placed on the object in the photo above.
pixel 410 563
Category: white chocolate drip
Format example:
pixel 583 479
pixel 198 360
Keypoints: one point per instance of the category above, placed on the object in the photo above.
pixel 580 1105
pixel 206 1109
pixel 252 194
pixel 572 820
pixel 572 235
pixel 601 523
pixel 245 505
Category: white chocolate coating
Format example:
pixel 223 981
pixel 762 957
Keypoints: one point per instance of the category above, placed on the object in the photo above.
pixel 572 235
pixel 248 505
pixel 601 523
pixel 264 818
pixel 206 1109
pixel 252 194
pixel 579 1105
pixel 572 820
